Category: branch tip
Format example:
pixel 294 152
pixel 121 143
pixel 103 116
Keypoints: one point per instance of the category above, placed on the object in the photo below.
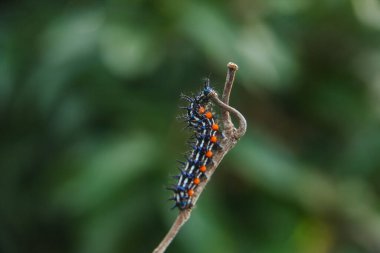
pixel 232 66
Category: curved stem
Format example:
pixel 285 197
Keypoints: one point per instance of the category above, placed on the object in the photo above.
pixel 242 121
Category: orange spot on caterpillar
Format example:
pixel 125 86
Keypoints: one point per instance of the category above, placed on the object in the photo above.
pixel 213 139
pixel 190 192
pixel 209 154
pixel 201 110
pixel 215 127
pixel 202 168
pixel 196 180
pixel 208 115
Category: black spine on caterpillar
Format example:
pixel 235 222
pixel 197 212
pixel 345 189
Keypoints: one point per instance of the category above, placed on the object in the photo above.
pixel 200 120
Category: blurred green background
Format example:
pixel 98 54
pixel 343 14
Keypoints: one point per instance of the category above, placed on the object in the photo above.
pixel 89 93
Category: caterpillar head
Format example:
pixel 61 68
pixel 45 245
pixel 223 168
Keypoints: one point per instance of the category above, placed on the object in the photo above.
pixel 207 88
pixel 204 95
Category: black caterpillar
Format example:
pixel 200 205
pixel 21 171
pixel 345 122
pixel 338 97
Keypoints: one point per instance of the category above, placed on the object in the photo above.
pixel 201 121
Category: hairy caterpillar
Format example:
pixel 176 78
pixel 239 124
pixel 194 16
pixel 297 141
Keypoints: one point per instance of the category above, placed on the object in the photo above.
pixel 201 121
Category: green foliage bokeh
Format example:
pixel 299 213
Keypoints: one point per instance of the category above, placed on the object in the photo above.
pixel 89 93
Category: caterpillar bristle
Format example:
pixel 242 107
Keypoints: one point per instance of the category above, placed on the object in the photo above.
pixel 182 117
pixel 217 146
pixel 171 188
pixel 181 162
pixel 184 96
pixel 204 176
pixel 181 170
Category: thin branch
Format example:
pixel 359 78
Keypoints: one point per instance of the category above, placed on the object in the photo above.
pixel 232 68
pixel 231 137
pixel 178 223
pixel 230 77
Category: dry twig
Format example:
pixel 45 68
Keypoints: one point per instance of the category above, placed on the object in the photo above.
pixel 232 135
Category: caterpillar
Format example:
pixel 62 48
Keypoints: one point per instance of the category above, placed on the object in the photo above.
pixel 200 120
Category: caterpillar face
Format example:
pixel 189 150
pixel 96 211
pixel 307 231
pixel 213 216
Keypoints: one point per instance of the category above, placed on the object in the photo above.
pixel 207 88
